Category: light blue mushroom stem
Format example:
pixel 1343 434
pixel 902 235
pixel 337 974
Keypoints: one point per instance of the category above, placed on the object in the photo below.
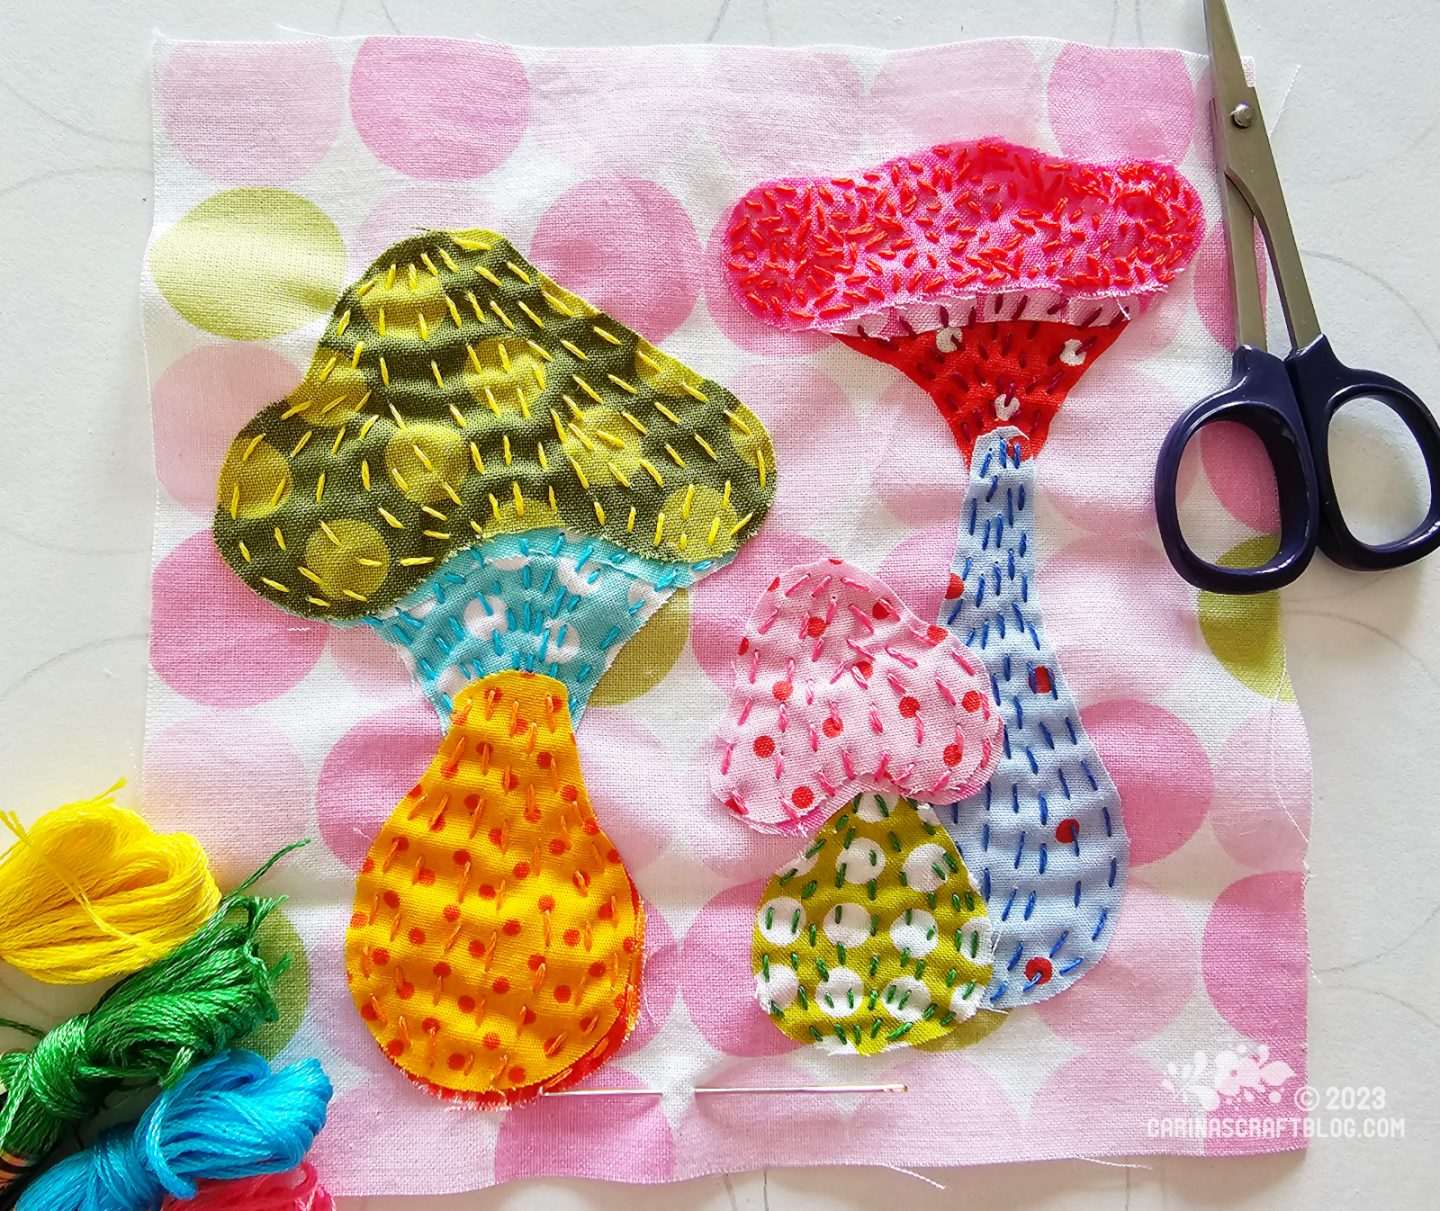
pixel 546 601
pixel 1045 837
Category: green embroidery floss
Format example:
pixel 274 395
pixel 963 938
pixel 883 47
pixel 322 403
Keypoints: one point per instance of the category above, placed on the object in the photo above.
pixel 150 1028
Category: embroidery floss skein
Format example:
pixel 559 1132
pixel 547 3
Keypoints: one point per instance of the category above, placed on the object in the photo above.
pixel 90 891
pixel 150 1028
pixel 298 1190
pixel 228 1118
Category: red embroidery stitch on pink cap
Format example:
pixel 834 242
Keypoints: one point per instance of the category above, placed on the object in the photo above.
pixel 991 274
pixel 840 688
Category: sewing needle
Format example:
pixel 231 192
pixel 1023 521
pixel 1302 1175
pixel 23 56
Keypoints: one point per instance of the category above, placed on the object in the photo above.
pixel 726 1090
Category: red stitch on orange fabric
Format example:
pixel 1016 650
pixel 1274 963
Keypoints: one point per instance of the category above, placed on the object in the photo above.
pixel 500 991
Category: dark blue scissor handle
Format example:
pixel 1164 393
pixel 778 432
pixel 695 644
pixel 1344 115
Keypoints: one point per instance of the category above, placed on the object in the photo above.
pixel 1289 406
pixel 1262 398
pixel 1323 384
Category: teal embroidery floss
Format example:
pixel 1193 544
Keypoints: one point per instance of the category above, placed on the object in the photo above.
pixel 227 1119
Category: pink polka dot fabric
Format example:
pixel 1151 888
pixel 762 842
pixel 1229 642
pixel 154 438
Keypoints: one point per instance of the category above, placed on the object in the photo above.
pixel 252 113
pixel 200 402
pixel 215 642
pixel 437 109
pixel 626 245
pixel 839 688
pixel 614 170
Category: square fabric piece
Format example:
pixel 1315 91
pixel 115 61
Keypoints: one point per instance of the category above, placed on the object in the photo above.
pixel 675 526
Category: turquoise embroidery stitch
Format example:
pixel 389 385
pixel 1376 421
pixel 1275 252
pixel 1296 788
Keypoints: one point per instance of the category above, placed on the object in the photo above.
pixel 1045 837
pixel 545 601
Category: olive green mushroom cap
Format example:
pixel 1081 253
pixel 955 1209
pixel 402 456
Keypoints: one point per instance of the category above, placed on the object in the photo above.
pixel 458 393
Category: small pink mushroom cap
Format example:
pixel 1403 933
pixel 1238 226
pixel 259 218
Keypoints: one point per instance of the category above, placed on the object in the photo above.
pixel 840 688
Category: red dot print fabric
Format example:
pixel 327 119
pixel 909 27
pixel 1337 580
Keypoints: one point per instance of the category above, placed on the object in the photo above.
pixel 840 688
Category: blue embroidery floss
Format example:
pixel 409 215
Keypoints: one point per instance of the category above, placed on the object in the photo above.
pixel 226 1119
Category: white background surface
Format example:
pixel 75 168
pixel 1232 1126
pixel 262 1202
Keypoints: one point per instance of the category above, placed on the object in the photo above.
pixel 1359 147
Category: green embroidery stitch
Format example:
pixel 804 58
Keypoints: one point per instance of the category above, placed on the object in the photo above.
pixel 459 393
pixel 875 937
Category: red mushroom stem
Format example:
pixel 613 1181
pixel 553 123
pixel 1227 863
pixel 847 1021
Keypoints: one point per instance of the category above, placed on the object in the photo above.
pixel 1004 372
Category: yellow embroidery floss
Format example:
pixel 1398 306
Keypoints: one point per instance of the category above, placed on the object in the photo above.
pixel 90 891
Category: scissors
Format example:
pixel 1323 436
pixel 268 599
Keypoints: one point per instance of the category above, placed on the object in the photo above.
pixel 1290 402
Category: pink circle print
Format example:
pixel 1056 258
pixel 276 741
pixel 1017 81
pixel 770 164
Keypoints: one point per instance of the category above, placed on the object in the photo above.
pixel 918 569
pixel 561 1136
pixel 718 983
pixel 252 113
pixel 1122 621
pixel 661 982
pixel 812 124
pixel 370 663
pixel 932 1083
pixel 1241 475
pixel 626 245
pixel 200 403
pixel 718 838
pixel 416 208
pixel 822 458
pixel 935 94
pixel 1263 790
pixel 218 643
pixel 1113 1087
pixel 1256 959
pixel 1110 104
pixel 1140 985
pixel 332 1009
pixel 1160 770
pixel 234 780
pixel 586 107
pixel 419 1135
pixel 368 772
pixel 625 764
pixel 919 473
pixel 439 109
pixel 1099 471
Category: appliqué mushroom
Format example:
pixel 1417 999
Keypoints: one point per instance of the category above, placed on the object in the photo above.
pixel 993 276
pixel 548 601
pixel 875 937
pixel 496 943
pixel 465 416
pixel 840 688
pixel 457 394
pixel 979 269
pixel 507 484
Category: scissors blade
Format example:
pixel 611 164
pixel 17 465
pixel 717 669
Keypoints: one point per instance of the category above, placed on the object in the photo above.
pixel 1226 65
pixel 1244 268
pixel 1247 160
